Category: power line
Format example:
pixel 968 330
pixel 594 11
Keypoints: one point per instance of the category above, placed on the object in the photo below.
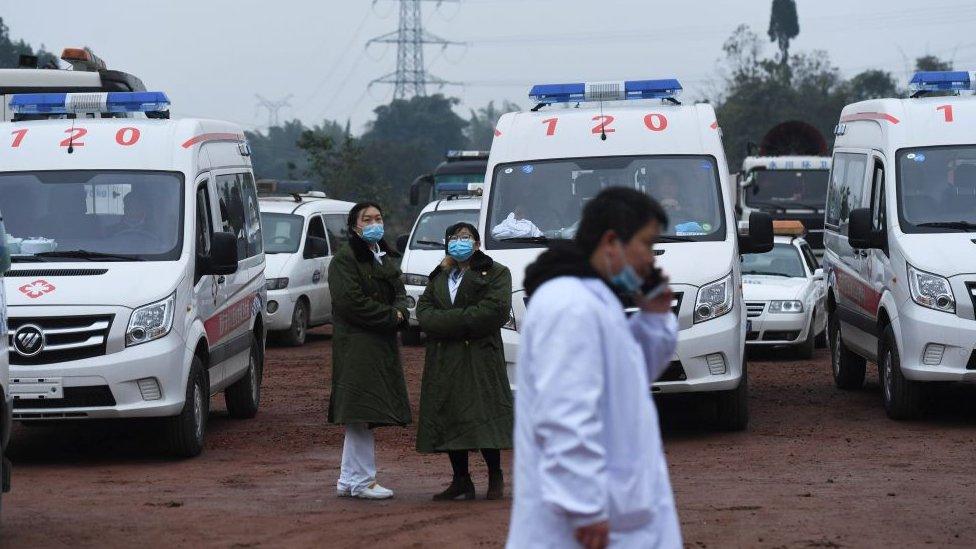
pixel 273 107
pixel 411 77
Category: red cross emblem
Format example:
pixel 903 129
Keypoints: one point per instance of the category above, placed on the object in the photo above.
pixel 37 288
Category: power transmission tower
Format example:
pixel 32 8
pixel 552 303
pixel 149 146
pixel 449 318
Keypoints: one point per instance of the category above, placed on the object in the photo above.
pixel 273 107
pixel 411 77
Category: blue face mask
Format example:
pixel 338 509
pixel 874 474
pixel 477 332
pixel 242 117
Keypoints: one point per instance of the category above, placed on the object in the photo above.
pixel 373 233
pixel 627 280
pixel 460 250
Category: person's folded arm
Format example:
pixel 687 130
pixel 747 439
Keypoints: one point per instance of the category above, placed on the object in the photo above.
pixel 657 334
pixel 437 322
pixel 350 302
pixel 492 311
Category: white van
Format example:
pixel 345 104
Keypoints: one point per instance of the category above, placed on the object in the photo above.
pixel 547 163
pixel 6 410
pixel 901 241
pixel 137 287
pixel 423 249
pixel 302 232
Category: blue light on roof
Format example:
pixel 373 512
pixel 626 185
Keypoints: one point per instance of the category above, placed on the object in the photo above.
pixel 110 102
pixel 935 81
pixel 605 91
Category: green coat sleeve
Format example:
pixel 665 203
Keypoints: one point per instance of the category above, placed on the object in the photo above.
pixel 400 299
pixel 490 313
pixel 439 323
pixel 349 301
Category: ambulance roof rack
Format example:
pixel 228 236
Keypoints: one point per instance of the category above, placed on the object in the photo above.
pixel 153 104
pixel 925 82
pixel 546 94
pixel 788 227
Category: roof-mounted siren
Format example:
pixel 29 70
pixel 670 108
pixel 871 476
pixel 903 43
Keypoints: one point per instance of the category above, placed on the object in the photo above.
pixel 153 104
pixel 667 89
pixel 788 227
pixel 82 59
pixel 942 81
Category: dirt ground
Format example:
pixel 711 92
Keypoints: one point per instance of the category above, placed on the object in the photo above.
pixel 817 468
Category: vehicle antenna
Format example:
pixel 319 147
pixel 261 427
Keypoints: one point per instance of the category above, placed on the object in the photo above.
pixel 71 137
pixel 603 124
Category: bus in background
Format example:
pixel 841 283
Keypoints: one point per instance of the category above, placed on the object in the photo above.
pixel 461 173
pixel 88 73
pixel 788 178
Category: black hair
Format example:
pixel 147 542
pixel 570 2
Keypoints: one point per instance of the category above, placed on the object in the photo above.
pixel 453 229
pixel 354 213
pixel 621 210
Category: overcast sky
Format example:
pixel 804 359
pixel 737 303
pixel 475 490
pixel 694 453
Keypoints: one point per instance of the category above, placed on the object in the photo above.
pixel 213 56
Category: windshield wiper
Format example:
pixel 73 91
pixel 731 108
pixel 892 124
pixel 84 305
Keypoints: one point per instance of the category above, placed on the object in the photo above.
pixel 430 243
pixel 90 256
pixel 958 225
pixel 767 273
pixel 527 239
pixel 674 238
pixel 26 259
pixel 813 207
pixel 770 205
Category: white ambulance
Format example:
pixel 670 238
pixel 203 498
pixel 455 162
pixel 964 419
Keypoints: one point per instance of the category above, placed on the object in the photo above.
pixel 302 232
pixel 901 240
pixel 423 249
pixel 6 410
pixel 546 163
pixel 137 287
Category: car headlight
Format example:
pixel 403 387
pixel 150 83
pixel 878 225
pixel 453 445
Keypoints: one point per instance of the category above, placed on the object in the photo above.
pixel 931 290
pixel 714 299
pixel 415 280
pixel 277 283
pixel 510 325
pixel 790 306
pixel 150 322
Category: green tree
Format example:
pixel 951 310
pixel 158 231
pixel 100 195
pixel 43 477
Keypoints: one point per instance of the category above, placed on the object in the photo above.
pixel 784 25
pixel 481 126
pixel 932 63
pixel 10 51
pixel 872 84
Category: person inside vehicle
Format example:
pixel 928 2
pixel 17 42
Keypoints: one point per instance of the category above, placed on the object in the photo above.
pixel 672 198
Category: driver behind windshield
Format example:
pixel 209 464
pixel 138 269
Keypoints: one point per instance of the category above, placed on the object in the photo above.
pixel 670 194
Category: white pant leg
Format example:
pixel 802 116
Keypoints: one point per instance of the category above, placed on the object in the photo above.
pixel 358 459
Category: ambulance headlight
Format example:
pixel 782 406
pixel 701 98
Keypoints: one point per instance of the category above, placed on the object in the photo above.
pixel 714 299
pixel 415 280
pixel 931 290
pixel 276 284
pixel 791 306
pixel 150 322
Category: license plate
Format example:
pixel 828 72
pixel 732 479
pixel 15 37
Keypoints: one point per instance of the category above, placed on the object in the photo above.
pixel 36 388
pixel 748 325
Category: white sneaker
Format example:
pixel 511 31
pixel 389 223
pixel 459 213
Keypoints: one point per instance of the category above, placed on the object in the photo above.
pixel 374 491
pixel 343 491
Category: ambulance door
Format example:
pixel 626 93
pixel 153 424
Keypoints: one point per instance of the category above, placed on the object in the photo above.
pixel 205 288
pixel 315 269
pixel 874 263
pixel 234 299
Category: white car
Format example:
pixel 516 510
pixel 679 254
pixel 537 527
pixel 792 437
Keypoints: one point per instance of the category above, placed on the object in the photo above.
pixel 784 294
pixel 423 250
pixel 137 288
pixel 301 235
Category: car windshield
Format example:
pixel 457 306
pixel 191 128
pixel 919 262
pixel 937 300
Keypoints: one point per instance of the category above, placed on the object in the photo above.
pixel 536 202
pixel 775 189
pixel 93 215
pixel 782 260
pixel 282 232
pixel 431 227
pixel 937 189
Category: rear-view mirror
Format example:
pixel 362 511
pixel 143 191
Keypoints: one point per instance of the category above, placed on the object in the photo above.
pixel 223 255
pixel 860 231
pixel 760 237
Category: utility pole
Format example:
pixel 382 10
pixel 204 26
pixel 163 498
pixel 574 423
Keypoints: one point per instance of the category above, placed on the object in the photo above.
pixel 273 107
pixel 411 77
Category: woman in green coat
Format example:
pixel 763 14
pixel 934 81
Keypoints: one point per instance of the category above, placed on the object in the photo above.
pixel 465 399
pixel 368 387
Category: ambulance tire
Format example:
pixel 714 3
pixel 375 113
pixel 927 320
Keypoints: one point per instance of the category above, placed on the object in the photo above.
pixel 902 397
pixel 804 351
pixel 847 367
pixel 244 397
pixel 732 407
pixel 185 432
pixel 294 336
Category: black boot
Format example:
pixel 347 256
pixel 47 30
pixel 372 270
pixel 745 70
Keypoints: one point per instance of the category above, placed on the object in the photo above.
pixel 496 485
pixel 461 488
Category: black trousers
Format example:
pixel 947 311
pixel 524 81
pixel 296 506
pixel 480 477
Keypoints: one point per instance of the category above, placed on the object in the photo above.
pixel 459 460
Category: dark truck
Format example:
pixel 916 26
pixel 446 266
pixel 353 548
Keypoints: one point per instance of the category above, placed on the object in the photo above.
pixel 461 173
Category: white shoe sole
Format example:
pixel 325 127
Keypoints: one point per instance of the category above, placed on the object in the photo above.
pixel 365 495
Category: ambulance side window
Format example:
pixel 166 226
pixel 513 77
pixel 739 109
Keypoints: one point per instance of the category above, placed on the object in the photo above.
pixel 846 189
pixel 315 229
pixel 878 214
pixel 232 217
pixel 204 223
pixel 255 243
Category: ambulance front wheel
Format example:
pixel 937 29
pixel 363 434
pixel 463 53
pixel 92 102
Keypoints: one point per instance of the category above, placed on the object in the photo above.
pixel 902 397
pixel 185 432
pixel 244 396
pixel 847 367
pixel 732 407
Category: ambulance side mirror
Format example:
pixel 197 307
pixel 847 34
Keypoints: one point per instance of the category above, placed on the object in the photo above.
pixel 860 231
pixel 760 237
pixel 223 255
pixel 818 274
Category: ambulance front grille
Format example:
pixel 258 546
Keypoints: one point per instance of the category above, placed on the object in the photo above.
pixel 65 338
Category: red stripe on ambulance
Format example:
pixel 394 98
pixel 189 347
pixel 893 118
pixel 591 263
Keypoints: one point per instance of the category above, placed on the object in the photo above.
pixel 231 318
pixel 202 138
pixel 876 116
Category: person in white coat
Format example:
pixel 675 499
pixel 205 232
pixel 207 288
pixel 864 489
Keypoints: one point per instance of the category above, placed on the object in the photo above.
pixel 590 468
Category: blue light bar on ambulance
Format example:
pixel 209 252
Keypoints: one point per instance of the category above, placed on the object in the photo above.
pixel 605 91
pixel 936 81
pixel 70 103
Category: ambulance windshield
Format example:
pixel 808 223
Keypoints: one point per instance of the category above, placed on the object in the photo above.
pixel 937 189
pixel 92 215
pixel 535 202
pixel 788 189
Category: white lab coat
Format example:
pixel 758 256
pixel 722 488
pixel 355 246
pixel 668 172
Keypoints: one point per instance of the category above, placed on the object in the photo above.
pixel 515 228
pixel 587 442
